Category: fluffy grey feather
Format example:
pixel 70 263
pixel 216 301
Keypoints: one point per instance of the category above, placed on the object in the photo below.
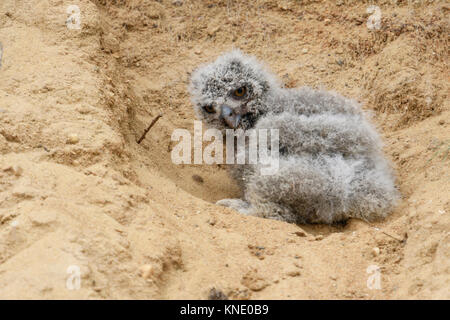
pixel 331 166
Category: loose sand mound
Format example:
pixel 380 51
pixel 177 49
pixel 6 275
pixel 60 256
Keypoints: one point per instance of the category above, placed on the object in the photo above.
pixel 78 195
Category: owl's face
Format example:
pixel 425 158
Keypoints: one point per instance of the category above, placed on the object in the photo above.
pixel 229 93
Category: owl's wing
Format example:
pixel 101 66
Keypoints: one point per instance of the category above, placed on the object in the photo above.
pixel 307 101
pixel 344 134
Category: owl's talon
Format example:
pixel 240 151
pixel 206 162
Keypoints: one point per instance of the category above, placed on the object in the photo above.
pixel 237 204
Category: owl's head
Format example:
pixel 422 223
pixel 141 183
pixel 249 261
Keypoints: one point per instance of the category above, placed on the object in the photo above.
pixel 230 92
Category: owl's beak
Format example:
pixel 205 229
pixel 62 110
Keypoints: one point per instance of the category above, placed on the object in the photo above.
pixel 231 118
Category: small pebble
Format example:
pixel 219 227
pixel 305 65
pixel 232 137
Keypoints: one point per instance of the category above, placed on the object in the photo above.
pixel 43 218
pixel 375 251
pixel 305 50
pixel 146 271
pixel 217 294
pixel 17 170
pixel 293 273
pixel 197 178
pixel 73 138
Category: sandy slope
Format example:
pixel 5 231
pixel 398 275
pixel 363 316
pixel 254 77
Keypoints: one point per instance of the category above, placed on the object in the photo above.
pixel 76 191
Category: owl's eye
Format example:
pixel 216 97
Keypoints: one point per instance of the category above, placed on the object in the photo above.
pixel 240 92
pixel 209 109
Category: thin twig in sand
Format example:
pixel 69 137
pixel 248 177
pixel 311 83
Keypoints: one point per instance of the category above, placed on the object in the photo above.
pixel 149 127
pixel 389 235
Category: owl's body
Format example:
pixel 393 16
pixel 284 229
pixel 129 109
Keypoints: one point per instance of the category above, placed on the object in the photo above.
pixel 331 166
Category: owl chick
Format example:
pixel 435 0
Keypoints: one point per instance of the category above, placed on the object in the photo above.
pixel 331 166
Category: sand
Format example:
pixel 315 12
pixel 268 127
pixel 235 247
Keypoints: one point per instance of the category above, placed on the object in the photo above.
pixel 87 213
